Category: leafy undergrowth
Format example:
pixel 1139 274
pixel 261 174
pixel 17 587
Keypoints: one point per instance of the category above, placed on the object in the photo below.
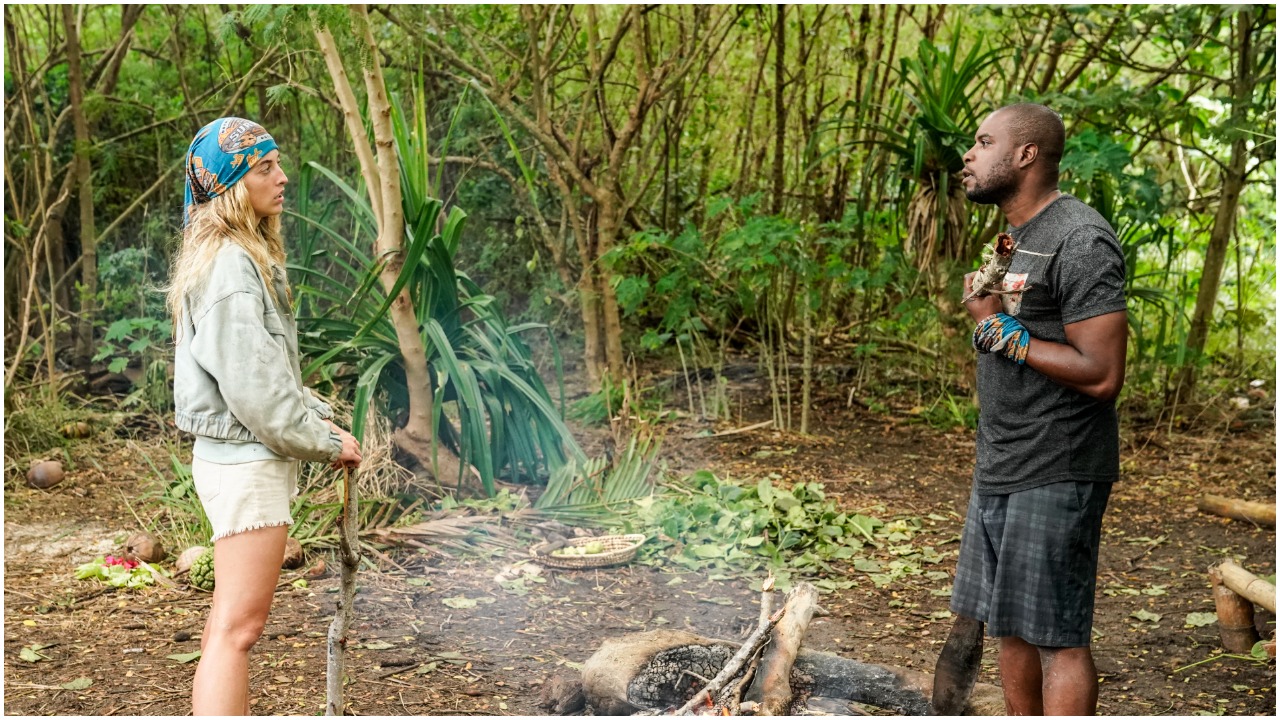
pixel 743 529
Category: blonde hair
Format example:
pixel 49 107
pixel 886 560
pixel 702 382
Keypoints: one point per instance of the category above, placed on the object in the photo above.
pixel 228 217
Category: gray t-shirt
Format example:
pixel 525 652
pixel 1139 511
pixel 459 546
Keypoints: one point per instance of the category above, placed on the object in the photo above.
pixel 1031 430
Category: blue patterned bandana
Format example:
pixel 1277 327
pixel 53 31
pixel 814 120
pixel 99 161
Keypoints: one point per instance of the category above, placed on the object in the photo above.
pixel 221 153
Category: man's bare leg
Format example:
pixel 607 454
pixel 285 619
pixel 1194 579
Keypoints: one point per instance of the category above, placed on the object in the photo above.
pixel 1070 681
pixel 1021 677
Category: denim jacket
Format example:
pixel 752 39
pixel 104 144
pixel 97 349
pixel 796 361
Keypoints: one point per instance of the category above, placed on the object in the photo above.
pixel 237 381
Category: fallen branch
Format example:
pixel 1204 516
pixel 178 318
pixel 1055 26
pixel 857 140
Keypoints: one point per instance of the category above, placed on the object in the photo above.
pixel 1248 585
pixel 731 668
pixel 1259 514
pixel 734 702
pixel 773 681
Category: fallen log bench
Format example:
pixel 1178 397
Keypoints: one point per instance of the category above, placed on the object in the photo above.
pixel 1235 592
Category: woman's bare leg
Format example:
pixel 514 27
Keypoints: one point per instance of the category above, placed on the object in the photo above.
pixel 246 569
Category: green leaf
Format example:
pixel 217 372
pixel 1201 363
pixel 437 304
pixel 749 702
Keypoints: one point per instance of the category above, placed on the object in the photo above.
pixel 184 658
pixel 1146 615
pixel 79 683
pixel 377 645
pixel 30 655
pixel 709 550
pixel 1201 619
pixel 867 565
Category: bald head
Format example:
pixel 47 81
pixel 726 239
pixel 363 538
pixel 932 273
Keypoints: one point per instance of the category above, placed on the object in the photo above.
pixel 1029 123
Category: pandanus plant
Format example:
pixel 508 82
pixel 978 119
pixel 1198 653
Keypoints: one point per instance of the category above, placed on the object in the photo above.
pixel 490 405
pixel 937 120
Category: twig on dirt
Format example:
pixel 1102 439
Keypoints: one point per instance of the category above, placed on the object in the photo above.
pixel 393 682
pixel 92 595
pixel 735 431
pixel 397 670
pixel 125 498
pixel 135 703
pixel 384 557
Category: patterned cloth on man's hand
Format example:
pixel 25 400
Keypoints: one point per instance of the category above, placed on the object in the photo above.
pixel 221 153
pixel 1003 334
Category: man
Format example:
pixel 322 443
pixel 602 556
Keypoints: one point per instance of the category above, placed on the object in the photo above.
pixel 1052 351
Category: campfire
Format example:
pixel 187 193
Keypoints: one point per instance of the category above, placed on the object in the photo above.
pixel 671 672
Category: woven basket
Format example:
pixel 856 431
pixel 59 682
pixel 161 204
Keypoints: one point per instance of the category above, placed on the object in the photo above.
pixel 617 549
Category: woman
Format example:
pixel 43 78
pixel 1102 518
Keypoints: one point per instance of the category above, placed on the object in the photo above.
pixel 238 389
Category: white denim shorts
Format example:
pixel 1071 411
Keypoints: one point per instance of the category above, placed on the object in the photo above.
pixel 245 496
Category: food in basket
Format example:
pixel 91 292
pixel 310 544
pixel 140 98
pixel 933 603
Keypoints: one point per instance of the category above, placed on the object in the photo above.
pixel 595 547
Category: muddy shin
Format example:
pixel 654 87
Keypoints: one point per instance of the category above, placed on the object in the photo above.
pixel 958 666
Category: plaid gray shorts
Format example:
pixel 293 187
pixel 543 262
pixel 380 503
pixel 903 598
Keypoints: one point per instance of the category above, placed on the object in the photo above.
pixel 1029 562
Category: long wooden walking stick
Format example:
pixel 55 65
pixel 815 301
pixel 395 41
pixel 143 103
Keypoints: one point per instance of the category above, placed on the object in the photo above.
pixel 349 557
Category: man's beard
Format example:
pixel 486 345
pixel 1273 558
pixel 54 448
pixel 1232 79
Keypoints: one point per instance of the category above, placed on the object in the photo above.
pixel 1000 185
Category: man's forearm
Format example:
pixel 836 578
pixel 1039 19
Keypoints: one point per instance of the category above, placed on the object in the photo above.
pixel 1068 366
pixel 1091 361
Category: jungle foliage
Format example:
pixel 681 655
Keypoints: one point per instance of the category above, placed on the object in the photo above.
pixel 686 183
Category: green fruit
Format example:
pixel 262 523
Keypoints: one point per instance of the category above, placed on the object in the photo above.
pixel 201 574
pixel 595 547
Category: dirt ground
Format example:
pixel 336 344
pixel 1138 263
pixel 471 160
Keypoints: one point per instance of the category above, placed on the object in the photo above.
pixel 414 655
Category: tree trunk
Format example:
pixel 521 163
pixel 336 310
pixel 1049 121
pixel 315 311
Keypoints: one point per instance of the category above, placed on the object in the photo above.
pixel 1233 181
pixel 84 183
pixel 611 319
pixel 779 105
pixel 592 332
pixel 417 437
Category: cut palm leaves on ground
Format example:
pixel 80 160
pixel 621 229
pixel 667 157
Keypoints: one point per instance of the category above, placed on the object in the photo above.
pixel 596 492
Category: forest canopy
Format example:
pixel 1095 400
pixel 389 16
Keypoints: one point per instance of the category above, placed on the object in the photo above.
pixel 673 182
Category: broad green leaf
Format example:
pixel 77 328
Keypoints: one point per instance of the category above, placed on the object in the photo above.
pixel 1146 615
pixel 1201 619
pixel 79 683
